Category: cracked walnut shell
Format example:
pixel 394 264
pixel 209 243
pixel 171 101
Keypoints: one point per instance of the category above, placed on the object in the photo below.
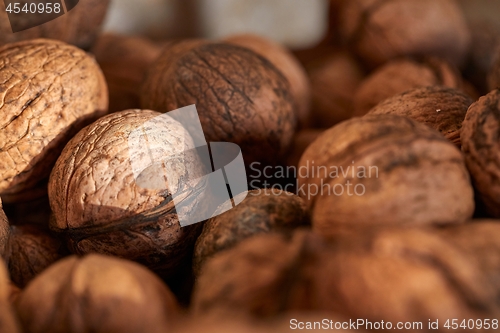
pixel 49 90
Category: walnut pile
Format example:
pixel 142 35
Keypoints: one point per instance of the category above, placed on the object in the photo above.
pixel 31 249
pixel 240 96
pixel 380 30
pixel 384 169
pixel 100 202
pixel 376 275
pixel 401 75
pixel 262 211
pixel 79 27
pixel 480 144
pixel 439 107
pixel 50 90
pixel 280 57
pixel 96 294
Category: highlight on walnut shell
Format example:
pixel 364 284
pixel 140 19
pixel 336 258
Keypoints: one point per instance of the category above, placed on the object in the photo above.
pixel 262 211
pixel 8 320
pixel 286 62
pixel 375 274
pixel 51 90
pixel 481 148
pixel 79 26
pixel 31 249
pixel 240 96
pixel 401 75
pixel 334 83
pixel 384 169
pixel 438 107
pixel 4 231
pixel 124 61
pixel 383 30
pixel 96 293
pixel 111 195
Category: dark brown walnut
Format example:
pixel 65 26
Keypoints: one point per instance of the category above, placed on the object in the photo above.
pixel 381 30
pixel 96 294
pixel 334 83
pixel 262 211
pixel 494 75
pixel 8 321
pixel 50 90
pixel 240 96
pixel 124 61
pixel 4 231
pixel 402 75
pixel 394 274
pixel 439 107
pixel 480 144
pixel 286 62
pixel 108 195
pixel 301 141
pixel 78 27
pixel 31 249
pixel 384 169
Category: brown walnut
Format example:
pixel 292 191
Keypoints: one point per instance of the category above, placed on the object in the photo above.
pixel 124 61
pixel 96 294
pixel 334 83
pixel 78 27
pixel 401 75
pixel 8 321
pixel 101 206
pixel 480 144
pixel 262 211
pixel 285 61
pixel 240 96
pixel 50 90
pixel 391 274
pixel 384 169
pixel 31 249
pixel 439 107
pixel 381 30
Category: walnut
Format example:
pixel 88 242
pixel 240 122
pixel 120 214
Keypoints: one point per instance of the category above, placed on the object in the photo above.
pixel 402 75
pixel 285 61
pixel 8 321
pixel 124 61
pixel 96 294
pixel 240 96
pixel 380 30
pixel 262 211
pixel 480 145
pixel 79 27
pixel 31 249
pixel 439 107
pixel 384 169
pixel 100 203
pixel 50 90
pixel 334 84
pixel 4 231
pixel 375 275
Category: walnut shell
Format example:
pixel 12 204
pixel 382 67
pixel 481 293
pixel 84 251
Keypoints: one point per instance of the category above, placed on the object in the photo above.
pixel 96 294
pixel 381 30
pixel 99 204
pixel 240 96
pixel 50 91
pixel 262 211
pixel 31 250
pixel 376 275
pixel 4 230
pixel 8 322
pixel 402 75
pixel 334 84
pixel 286 62
pixel 384 169
pixel 78 27
pixel 480 145
pixel 439 107
pixel 124 61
